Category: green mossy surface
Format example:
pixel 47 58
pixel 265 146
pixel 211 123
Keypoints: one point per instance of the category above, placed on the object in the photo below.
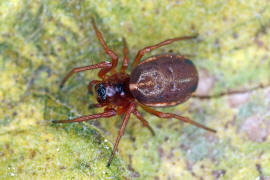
pixel 40 41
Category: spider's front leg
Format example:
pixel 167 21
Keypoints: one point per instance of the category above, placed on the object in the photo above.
pixel 125 59
pixel 107 50
pixel 101 65
pixel 107 113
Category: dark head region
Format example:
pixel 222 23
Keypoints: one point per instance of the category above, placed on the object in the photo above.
pixel 101 91
pixel 119 88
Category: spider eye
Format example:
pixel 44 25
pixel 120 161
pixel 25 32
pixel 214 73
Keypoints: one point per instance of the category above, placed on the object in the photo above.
pixel 101 91
pixel 119 88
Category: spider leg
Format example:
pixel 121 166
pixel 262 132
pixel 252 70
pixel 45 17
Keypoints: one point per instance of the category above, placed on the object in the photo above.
pixel 85 68
pixel 163 43
pixel 107 50
pixel 106 113
pixel 145 123
pixel 125 59
pixel 170 115
pixel 130 109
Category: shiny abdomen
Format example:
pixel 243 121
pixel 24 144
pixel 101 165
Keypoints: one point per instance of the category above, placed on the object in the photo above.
pixel 163 80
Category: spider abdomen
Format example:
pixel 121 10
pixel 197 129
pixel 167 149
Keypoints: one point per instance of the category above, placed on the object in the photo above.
pixel 163 80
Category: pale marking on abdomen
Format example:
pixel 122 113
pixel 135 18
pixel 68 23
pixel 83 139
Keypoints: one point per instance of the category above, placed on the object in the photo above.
pixel 179 82
pixel 182 81
pixel 173 79
pixel 154 76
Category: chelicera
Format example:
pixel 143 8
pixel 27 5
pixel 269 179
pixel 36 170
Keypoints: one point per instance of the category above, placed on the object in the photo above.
pixel 159 81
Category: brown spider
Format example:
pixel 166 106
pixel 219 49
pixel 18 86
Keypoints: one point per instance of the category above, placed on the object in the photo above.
pixel 158 81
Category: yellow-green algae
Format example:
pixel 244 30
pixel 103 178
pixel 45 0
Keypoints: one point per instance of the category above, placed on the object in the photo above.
pixel 41 40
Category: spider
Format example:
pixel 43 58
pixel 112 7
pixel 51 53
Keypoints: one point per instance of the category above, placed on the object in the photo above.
pixel 159 81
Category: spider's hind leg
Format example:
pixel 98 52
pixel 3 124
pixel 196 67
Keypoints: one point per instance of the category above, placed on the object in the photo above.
pixel 170 115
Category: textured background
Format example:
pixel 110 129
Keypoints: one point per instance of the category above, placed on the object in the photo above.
pixel 40 41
